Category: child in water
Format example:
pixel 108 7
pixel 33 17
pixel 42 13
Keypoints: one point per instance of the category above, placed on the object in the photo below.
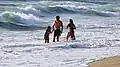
pixel 47 33
pixel 71 28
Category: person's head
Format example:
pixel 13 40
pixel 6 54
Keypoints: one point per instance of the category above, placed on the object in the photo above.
pixel 57 17
pixel 71 21
pixel 49 27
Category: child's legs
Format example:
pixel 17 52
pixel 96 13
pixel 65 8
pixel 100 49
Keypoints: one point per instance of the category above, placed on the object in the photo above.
pixel 73 36
pixel 68 35
pixel 47 40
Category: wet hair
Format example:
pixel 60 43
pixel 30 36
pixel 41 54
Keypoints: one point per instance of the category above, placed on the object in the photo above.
pixel 71 21
pixel 49 27
pixel 57 17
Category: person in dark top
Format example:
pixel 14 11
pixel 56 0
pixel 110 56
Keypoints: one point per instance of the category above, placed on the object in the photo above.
pixel 71 28
pixel 47 33
pixel 57 28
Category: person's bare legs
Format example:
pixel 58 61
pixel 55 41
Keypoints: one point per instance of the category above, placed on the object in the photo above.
pixel 54 38
pixel 58 38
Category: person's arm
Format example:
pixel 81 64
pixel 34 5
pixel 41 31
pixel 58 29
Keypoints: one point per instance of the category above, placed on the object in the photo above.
pixel 67 27
pixel 45 35
pixel 50 31
pixel 74 27
pixel 53 26
pixel 62 25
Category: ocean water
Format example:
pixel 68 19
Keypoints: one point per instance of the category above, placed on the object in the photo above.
pixel 23 23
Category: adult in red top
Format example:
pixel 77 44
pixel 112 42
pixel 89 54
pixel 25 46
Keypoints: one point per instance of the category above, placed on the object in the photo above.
pixel 57 28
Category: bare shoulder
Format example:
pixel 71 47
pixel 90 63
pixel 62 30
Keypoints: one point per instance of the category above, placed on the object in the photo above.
pixel 61 21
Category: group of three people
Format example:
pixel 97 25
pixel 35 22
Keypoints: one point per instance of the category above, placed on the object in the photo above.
pixel 57 28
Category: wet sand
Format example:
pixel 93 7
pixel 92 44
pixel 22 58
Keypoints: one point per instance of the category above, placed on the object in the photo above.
pixel 107 62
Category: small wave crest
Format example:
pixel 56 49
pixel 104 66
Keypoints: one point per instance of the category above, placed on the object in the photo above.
pixel 96 2
pixel 30 10
pixel 80 9
pixel 21 17
pixel 21 27
pixel 7 4
pixel 79 45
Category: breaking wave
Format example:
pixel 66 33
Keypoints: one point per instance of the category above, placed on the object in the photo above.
pixel 34 15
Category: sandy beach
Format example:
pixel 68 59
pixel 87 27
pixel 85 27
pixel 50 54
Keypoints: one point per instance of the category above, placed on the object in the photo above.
pixel 108 62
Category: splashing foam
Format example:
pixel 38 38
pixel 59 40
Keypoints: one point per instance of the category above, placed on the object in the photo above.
pixel 30 10
pixel 23 18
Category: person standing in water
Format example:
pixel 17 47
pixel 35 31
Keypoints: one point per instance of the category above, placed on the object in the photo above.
pixel 47 33
pixel 57 28
pixel 71 26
